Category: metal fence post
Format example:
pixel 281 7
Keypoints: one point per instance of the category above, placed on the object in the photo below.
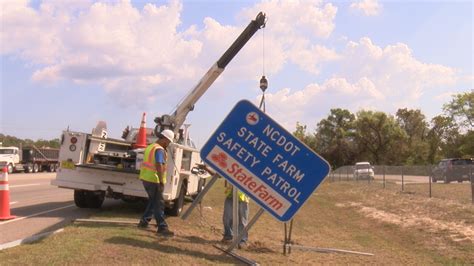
pixel 472 185
pixel 429 177
pixel 384 176
pixel 403 181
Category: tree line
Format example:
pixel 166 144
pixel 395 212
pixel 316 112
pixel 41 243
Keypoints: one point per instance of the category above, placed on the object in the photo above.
pixel 408 138
pixel 8 141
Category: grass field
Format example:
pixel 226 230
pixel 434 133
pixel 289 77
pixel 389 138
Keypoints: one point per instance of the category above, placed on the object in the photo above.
pixel 397 227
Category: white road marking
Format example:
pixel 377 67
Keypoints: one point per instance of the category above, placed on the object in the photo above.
pixel 14 202
pixel 36 214
pixel 26 185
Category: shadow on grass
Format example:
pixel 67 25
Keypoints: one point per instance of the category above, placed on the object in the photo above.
pixel 168 249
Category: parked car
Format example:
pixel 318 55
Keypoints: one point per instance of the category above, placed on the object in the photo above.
pixel 363 170
pixel 453 169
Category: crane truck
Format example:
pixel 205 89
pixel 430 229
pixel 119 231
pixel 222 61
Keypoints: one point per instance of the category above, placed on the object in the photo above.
pixel 96 166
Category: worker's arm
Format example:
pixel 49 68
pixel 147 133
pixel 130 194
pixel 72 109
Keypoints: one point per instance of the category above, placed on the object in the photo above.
pixel 160 164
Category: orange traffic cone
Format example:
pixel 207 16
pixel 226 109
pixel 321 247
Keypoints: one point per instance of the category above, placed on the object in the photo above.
pixel 4 196
pixel 141 136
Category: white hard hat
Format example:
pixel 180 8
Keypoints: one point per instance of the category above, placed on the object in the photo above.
pixel 167 134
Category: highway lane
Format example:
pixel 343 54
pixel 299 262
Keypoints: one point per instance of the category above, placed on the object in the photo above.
pixel 39 207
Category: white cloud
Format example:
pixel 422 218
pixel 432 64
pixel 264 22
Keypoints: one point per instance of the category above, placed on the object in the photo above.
pixel 368 7
pixel 369 77
pixel 295 26
pixel 125 49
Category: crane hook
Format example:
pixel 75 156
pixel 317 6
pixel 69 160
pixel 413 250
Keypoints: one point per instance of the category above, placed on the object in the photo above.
pixel 263 83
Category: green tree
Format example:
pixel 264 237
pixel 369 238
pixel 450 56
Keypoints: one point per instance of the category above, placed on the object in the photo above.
pixel 16 142
pixel 308 139
pixel 461 109
pixel 442 138
pixel 415 148
pixel 334 137
pixel 378 137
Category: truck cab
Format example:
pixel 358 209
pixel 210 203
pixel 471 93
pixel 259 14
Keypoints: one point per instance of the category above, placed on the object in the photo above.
pixel 9 157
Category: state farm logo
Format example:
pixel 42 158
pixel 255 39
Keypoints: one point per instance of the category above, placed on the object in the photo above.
pixel 252 118
pixel 220 159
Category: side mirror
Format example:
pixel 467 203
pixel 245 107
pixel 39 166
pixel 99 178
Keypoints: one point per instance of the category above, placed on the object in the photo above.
pixel 197 171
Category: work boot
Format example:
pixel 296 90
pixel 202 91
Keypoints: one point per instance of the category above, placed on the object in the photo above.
pixel 142 224
pixel 242 245
pixel 165 232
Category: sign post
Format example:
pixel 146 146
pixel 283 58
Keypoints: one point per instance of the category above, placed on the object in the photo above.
pixel 266 162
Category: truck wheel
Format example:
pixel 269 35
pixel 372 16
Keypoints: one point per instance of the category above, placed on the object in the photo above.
pixel 179 202
pixel 80 198
pixel 35 168
pixel 10 168
pixel 88 199
pixel 94 200
pixel 51 168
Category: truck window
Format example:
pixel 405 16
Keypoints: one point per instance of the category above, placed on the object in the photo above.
pixel 362 166
pixel 6 151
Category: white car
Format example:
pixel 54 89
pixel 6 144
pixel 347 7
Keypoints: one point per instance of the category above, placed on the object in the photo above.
pixel 363 170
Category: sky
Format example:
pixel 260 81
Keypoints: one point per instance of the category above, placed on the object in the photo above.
pixel 70 64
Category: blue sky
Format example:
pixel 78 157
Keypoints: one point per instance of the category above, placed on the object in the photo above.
pixel 75 63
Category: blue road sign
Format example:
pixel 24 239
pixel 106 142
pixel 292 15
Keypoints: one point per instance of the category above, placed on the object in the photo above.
pixel 265 161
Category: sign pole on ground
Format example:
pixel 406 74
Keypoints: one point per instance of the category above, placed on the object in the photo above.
pixel 200 196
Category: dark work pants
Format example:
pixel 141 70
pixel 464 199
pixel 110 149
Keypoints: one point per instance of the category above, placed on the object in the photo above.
pixel 156 204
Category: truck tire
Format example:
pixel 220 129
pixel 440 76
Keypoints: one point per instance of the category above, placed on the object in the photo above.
pixel 88 199
pixel 80 198
pixel 28 168
pixel 95 200
pixel 51 168
pixel 178 202
pixel 35 168
pixel 10 168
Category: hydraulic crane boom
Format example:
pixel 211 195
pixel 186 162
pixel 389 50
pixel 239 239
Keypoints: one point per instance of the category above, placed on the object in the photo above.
pixel 176 120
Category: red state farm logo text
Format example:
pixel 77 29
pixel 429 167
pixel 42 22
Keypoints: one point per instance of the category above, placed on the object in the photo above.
pixel 220 159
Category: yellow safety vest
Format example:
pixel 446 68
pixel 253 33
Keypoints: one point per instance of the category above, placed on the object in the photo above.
pixel 148 170
pixel 242 196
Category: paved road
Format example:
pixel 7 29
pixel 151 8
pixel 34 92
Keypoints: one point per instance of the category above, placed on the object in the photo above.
pixel 39 206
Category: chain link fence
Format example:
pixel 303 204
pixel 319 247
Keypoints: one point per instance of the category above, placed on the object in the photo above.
pixel 453 183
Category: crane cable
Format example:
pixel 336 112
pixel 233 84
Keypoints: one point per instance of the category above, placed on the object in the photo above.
pixel 263 80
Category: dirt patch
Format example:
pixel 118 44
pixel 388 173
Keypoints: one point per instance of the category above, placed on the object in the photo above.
pixel 458 231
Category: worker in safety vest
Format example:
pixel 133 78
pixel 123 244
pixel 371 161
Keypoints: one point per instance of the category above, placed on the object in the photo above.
pixel 153 176
pixel 243 215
